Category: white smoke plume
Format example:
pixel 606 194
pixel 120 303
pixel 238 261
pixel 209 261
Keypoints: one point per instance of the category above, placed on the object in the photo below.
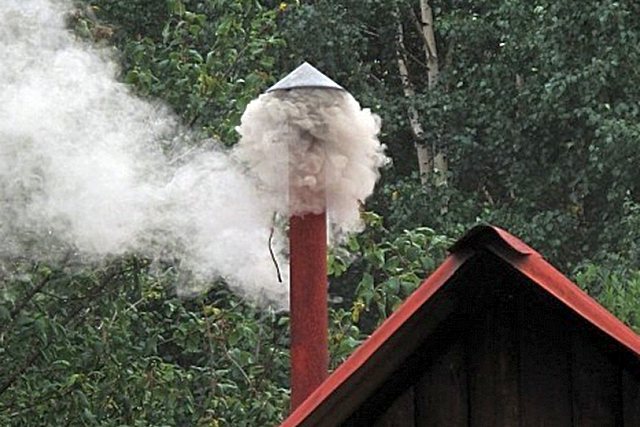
pixel 334 152
pixel 84 164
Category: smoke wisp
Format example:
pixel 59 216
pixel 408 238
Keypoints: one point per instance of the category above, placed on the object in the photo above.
pixel 86 166
pixel 83 166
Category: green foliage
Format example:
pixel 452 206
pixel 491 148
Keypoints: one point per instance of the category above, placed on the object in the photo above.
pixel 385 267
pixel 539 114
pixel 344 335
pixel 114 347
pixel 207 59
pixel 618 289
pixel 536 108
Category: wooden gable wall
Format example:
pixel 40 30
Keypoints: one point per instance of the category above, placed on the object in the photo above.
pixel 507 355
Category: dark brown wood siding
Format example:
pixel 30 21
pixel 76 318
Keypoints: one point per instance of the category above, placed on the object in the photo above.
pixel 545 369
pixel 441 394
pixel 401 413
pixel 509 356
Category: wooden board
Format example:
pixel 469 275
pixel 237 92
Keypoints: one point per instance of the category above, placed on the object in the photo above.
pixel 493 366
pixel 401 413
pixel 631 397
pixel 545 379
pixel 596 383
pixel 441 393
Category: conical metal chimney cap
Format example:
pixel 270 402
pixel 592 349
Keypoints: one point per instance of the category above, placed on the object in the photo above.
pixel 305 76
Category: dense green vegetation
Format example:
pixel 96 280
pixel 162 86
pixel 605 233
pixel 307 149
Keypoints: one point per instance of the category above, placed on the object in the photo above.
pixel 536 108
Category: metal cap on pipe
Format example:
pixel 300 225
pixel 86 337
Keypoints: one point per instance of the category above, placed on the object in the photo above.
pixel 305 76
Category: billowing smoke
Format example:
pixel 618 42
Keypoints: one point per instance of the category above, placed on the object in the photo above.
pixel 84 166
pixel 87 167
pixel 334 152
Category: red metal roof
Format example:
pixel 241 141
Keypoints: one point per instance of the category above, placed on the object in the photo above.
pixel 510 249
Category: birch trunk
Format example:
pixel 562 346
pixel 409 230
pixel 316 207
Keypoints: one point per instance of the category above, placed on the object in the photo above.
pixel 425 163
pixel 430 49
pixel 440 165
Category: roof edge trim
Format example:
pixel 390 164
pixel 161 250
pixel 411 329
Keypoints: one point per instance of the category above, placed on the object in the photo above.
pixel 483 235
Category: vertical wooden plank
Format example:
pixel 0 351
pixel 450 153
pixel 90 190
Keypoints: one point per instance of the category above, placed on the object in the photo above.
pixel 401 413
pixel 507 355
pixel 596 385
pixel 493 367
pixel 441 393
pixel 631 398
pixel 545 374
pixel 482 392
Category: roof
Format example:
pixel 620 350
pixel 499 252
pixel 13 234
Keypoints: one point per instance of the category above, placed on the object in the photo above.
pixel 384 341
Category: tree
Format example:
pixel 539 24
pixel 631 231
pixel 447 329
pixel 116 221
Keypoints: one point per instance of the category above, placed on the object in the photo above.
pixel 535 107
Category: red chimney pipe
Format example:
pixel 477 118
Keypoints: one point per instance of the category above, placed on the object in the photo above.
pixel 308 272
pixel 308 305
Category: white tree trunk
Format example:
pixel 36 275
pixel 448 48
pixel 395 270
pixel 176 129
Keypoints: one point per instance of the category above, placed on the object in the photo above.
pixel 440 165
pixel 424 158
pixel 430 50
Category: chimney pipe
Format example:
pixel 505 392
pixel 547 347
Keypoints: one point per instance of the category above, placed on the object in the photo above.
pixel 308 273
pixel 308 309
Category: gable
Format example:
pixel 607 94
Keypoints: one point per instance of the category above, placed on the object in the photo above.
pixel 446 298
pixel 508 355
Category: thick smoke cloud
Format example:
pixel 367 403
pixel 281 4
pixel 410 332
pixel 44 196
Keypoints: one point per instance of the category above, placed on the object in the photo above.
pixel 333 152
pixel 83 166
pixel 86 167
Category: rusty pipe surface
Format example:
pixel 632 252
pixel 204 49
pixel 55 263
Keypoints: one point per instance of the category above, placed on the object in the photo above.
pixel 308 305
